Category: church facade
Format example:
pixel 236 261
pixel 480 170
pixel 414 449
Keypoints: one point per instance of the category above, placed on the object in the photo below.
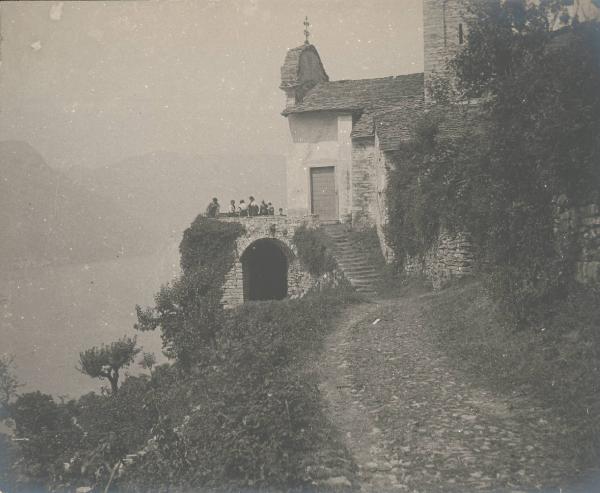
pixel 343 137
pixel 344 132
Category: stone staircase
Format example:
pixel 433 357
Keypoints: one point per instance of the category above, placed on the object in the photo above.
pixel 356 268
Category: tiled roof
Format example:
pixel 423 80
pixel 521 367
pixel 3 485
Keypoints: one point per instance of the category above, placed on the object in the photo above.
pixel 357 95
pixel 394 126
pixel 290 70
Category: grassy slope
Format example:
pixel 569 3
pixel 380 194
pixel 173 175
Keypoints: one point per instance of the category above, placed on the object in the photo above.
pixel 252 416
pixel 557 362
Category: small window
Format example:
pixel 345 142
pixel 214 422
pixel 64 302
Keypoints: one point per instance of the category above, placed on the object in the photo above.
pixel 461 34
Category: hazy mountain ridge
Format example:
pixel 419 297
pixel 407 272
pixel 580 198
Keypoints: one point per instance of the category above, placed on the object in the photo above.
pixel 134 206
pixel 46 218
pixel 167 190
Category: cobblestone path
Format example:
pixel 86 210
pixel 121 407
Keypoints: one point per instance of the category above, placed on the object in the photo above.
pixel 414 424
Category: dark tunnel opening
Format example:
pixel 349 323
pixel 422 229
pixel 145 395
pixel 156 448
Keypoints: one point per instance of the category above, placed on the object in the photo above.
pixel 265 269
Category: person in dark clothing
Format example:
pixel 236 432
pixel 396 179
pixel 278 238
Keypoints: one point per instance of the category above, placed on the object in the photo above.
pixel 213 208
pixel 281 211
pixel 264 209
pixel 243 209
pixel 252 207
pixel 271 209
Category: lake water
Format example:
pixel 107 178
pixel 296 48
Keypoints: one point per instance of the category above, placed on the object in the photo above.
pixel 49 314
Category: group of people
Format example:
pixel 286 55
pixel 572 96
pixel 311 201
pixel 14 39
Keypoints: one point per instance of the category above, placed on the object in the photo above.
pixel 243 209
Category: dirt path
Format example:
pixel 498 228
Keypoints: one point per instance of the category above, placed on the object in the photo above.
pixel 414 424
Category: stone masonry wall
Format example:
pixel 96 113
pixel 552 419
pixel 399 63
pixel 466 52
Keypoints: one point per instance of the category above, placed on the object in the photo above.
pixel 441 21
pixel 584 224
pixel 382 166
pixel 450 258
pixel 281 229
pixel 364 183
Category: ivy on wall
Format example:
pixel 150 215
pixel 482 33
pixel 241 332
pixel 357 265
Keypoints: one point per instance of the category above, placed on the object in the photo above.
pixel 188 311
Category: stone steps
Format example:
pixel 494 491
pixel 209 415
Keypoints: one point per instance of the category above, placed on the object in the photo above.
pixel 357 269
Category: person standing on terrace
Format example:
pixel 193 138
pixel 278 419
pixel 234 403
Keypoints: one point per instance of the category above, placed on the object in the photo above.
pixel 213 208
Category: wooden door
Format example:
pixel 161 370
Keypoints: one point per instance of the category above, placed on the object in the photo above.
pixel 323 197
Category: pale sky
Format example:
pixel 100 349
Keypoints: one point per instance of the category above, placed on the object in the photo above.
pixel 90 83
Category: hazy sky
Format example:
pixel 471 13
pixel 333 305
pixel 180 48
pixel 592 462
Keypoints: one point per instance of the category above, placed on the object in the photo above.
pixel 93 82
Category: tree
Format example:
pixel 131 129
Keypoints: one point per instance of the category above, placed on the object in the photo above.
pixel 107 361
pixel 47 436
pixel 148 361
pixel 8 382
pixel 188 311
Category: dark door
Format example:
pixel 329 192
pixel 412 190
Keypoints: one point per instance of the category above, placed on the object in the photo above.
pixel 323 198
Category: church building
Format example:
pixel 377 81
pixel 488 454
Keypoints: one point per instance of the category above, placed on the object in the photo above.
pixel 343 132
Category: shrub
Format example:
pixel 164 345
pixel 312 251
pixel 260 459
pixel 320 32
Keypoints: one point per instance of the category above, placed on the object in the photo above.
pixel 536 140
pixel 188 311
pixel 90 435
pixel 434 184
pixel 254 415
pixel 48 435
pixel 313 251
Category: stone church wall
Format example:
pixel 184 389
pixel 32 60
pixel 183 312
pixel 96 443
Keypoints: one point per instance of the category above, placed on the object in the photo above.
pixel 441 21
pixel 584 224
pixel 318 139
pixel 281 229
pixel 364 183
pixel 451 257
pixel 382 165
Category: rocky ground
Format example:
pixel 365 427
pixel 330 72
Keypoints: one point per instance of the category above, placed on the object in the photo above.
pixel 413 423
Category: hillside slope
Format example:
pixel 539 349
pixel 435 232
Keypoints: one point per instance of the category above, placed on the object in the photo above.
pixel 46 218
pixel 167 190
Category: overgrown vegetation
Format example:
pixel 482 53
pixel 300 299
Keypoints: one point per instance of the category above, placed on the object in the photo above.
pixel 539 122
pixel 313 251
pixel 238 407
pixel 252 416
pixel 433 185
pixel 188 311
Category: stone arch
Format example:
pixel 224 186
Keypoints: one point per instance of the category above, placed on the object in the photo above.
pixel 277 229
pixel 265 269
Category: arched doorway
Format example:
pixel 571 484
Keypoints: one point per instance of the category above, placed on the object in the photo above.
pixel 265 270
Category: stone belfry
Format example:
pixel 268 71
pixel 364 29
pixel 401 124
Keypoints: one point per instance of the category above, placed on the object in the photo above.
pixel 302 70
pixel 444 31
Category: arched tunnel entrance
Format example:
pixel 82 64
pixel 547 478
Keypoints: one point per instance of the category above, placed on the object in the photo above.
pixel 265 270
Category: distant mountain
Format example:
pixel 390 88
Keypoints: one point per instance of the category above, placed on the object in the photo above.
pixel 167 190
pixel 46 218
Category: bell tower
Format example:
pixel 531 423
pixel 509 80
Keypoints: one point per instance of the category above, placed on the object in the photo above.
pixel 444 31
pixel 302 70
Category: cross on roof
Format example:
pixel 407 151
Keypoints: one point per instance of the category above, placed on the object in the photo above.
pixel 306 31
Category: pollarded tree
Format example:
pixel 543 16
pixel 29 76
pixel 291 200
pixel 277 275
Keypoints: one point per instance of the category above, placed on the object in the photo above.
pixel 107 361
